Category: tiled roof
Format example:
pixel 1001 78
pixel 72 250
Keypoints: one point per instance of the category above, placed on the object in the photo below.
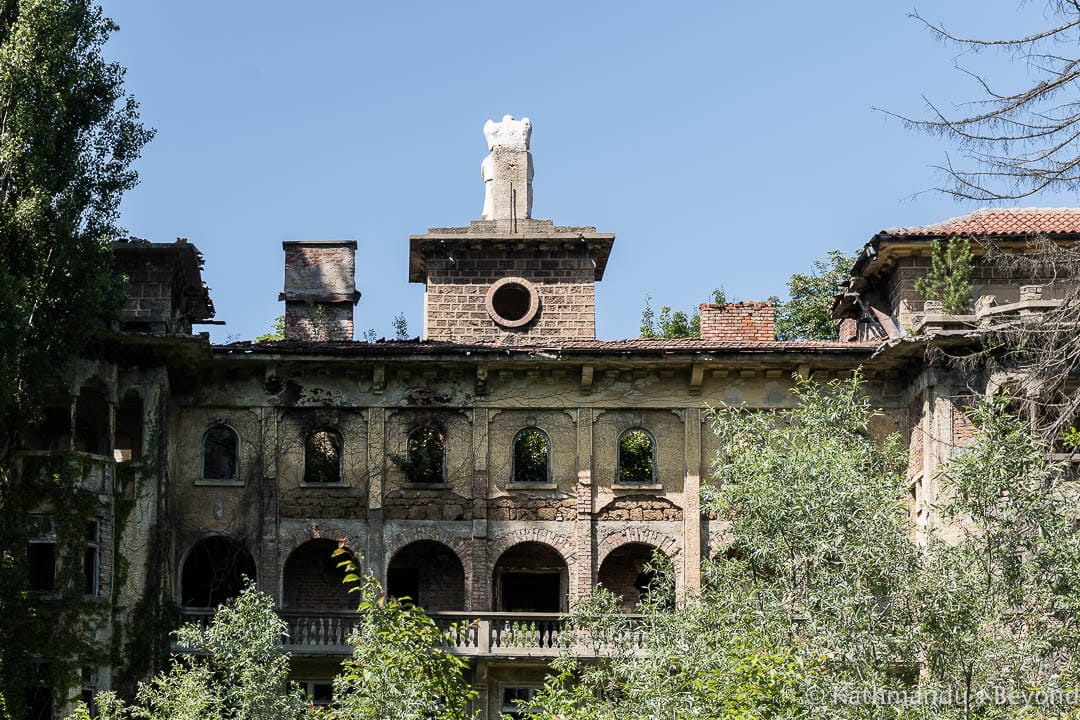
pixel 660 347
pixel 998 222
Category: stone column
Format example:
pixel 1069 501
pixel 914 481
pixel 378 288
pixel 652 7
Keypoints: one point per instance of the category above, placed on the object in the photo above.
pixel 692 503
pixel 376 468
pixel 478 580
pixel 583 526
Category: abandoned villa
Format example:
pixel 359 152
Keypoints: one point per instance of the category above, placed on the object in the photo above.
pixel 493 470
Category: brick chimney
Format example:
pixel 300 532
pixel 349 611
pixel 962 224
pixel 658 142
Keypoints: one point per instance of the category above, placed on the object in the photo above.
pixel 741 321
pixel 320 289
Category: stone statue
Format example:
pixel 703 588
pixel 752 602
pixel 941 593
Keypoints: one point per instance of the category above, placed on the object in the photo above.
pixel 508 170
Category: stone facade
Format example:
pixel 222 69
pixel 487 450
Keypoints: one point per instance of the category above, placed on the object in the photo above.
pixel 259 458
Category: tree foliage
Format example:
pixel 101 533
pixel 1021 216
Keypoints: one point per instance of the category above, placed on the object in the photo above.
pixel 807 314
pixel 277 331
pixel 232 669
pixel 400 668
pixel 949 279
pixel 1015 141
pixel 68 137
pixel 677 324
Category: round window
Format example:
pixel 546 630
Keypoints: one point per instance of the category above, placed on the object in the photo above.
pixel 512 302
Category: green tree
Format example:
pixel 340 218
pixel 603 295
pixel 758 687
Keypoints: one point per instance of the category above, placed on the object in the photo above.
pixel 400 668
pixel 949 279
pixel 807 315
pixel 277 332
pixel 232 669
pixel 677 324
pixel 68 138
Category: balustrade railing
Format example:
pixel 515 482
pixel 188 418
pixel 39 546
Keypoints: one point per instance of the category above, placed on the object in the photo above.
pixel 475 634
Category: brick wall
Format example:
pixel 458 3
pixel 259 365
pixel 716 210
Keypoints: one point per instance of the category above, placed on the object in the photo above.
pixel 149 291
pixel 457 288
pixel 441 575
pixel 320 289
pixel 312 580
pixel 962 427
pixel 753 321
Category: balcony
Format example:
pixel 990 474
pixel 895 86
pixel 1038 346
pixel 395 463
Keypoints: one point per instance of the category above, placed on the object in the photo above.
pixel 481 635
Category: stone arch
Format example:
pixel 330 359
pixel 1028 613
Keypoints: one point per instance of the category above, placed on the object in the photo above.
pixel 407 536
pixel 624 572
pixel 212 571
pixel 645 536
pixel 562 544
pixel 530 576
pixel 429 573
pixel 311 579
pixel 316 531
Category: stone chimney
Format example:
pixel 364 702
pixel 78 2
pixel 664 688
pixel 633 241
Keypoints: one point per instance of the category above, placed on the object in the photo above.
pixel 508 170
pixel 741 321
pixel 320 289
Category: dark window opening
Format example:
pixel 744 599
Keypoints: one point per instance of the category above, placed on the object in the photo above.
pixel 637 457
pixel 322 457
pixel 531 456
pixel 92 421
pixel 512 696
pixel 530 577
pixel 54 431
pixel 41 557
pixel 511 301
pixel 425 462
pixel 319 692
pixel 403 583
pixel 127 444
pixel 628 573
pixel 219 453
pixel 214 572
pixel 39 702
pixel 531 592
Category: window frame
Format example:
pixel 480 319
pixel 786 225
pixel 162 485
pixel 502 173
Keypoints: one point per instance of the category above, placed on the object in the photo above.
pixel 547 458
pixel 408 457
pixel 236 479
pixel 644 483
pixel 340 482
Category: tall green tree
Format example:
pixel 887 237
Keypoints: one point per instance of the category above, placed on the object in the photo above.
pixel 949 278
pixel 806 314
pixel 68 137
pixel 674 324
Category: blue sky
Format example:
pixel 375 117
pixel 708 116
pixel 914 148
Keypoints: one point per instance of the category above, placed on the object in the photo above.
pixel 725 143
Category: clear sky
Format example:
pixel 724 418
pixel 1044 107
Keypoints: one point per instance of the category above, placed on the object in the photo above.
pixel 725 143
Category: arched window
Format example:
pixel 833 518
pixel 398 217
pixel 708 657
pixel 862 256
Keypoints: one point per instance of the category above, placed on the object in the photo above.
pixel 425 461
pixel 532 454
pixel 637 457
pixel 322 457
pixel 219 453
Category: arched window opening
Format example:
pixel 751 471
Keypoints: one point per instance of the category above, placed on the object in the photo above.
pixel 425 461
pixel 428 573
pixel 220 453
pixel 637 457
pixel 214 572
pixel 322 457
pixel 531 577
pixel 92 419
pixel 312 579
pixel 628 574
pixel 127 445
pixel 532 457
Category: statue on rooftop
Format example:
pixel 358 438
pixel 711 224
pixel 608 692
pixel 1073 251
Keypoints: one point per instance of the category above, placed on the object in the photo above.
pixel 507 171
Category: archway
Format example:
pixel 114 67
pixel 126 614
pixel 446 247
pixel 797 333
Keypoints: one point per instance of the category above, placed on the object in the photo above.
pixel 624 573
pixel 429 573
pixel 312 580
pixel 213 572
pixel 530 577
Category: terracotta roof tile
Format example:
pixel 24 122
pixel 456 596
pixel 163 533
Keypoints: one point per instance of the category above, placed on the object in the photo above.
pixel 1000 221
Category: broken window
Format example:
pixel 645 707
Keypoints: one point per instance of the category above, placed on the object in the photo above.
pixel 637 457
pixel 39 694
pixel 92 420
pixel 41 553
pixel 318 692
pixel 426 456
pixel 322 457
pixel 92 559
pixel 532 451
pixel 219 453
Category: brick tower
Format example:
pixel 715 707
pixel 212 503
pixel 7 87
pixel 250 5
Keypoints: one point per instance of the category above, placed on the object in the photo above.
pixel 508 278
